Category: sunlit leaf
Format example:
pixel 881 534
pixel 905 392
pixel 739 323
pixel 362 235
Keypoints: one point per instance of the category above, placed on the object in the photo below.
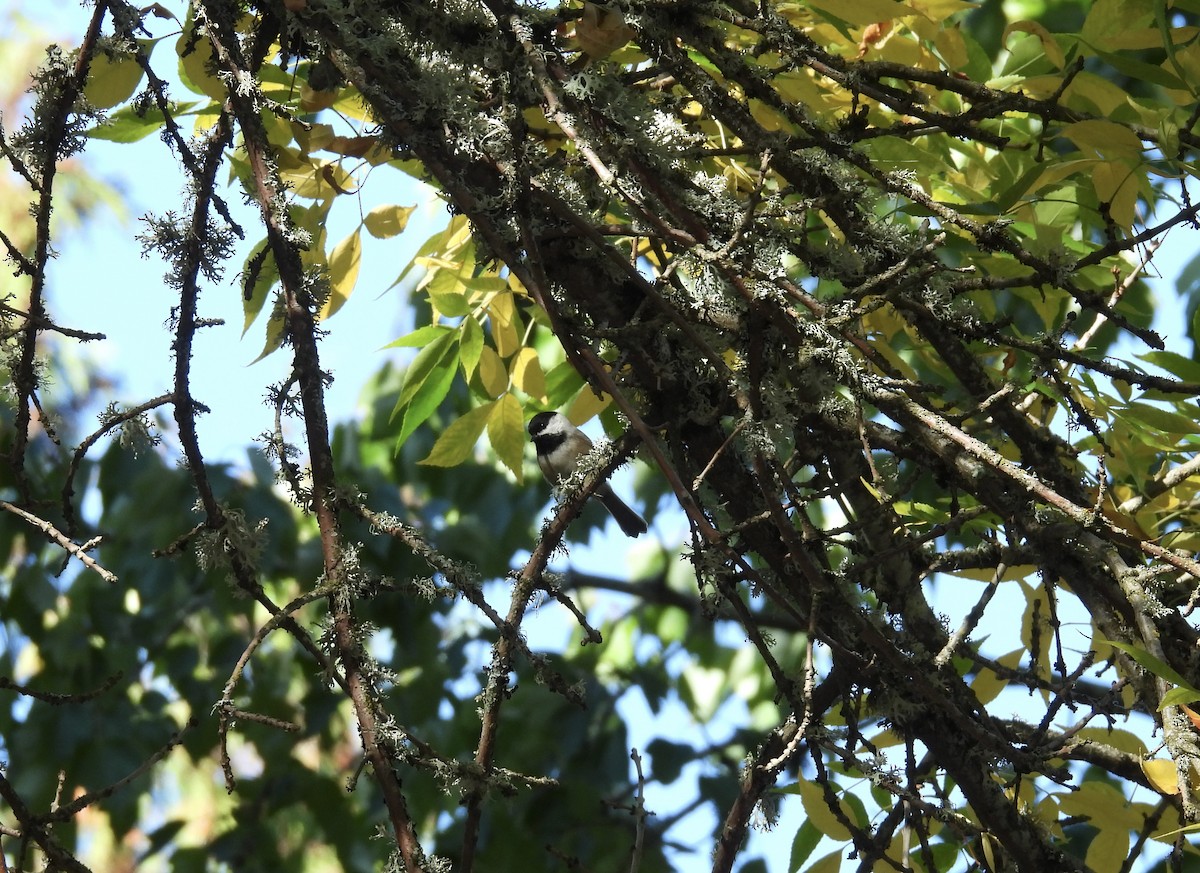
pixel 587 405
pixel 506 432
pixel 344 262
pixel 196 67
pixel 113 80
pixel 457 442
pixel 493 375
pixel 384 222
pixel 422 336
pixel 527 373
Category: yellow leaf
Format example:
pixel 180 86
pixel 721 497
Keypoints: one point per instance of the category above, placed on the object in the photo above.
pixel 1105 139
pixel 812 797
pixel 1049 44
pixel 457 442
pixel 527 373
pixel 987 685
pixel 587 405
pixel 112 81
pixel 1116 185
pixel 940 10
pixel 602 31
pixel 1163 776
pixel 274 338
pixel 503 322
pixel 1192 715
pixel 492 373
pixel 506 431
pixel 344 262
pixel 195 66
pixel 387 221
pixel 768 117
pixel 314 101
pixel 831 863
pixel 862 11
pixel 952 47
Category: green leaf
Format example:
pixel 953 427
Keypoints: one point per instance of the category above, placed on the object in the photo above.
pixel 1154 665
pixel 806 839
pixel 831 863
pixel 422 336
pixel 426 383
pixel 457 442
pixel 669 758
pixel 562 383
pixel 1157 419
pixel 471 345
pixel 1141 70
pixel 1177 696
pixel 275 332
pixel 259 274
pixel 125 125
pixel 1175 364
pixel 506 432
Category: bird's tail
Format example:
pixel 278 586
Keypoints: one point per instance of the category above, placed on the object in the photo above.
pixel 628 520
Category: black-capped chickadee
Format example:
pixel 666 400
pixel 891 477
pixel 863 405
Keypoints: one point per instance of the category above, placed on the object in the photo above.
pixel 560 445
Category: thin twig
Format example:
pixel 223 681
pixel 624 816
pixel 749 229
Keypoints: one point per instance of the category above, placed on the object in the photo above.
pixel 61 539
pixel 972 619
pixel 639 814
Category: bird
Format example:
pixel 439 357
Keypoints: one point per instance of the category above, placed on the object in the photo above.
pixel 559 446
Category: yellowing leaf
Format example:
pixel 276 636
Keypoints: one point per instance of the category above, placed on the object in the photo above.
pixel 260 273
pixel 1192 715
pixel 587 405
pixel 344 262
pixel 602 31
pixel 503 321
pixel 940 10
pixel 1163 776
pixel 313 101
pixel 112 81
pixel 768 117
pixel 1121 740
pixel 953 48
pixel 274 338
pixel 831 863
pixel 195 66
pixel 862 11
pixel 492 373
pixel 506 432
pixel 457 442
pixel 1104 139
pixel 387 221
pixel 987 685
pixel 1049 44
pixel 812 797
pixel 1107 850
pixel 527 373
